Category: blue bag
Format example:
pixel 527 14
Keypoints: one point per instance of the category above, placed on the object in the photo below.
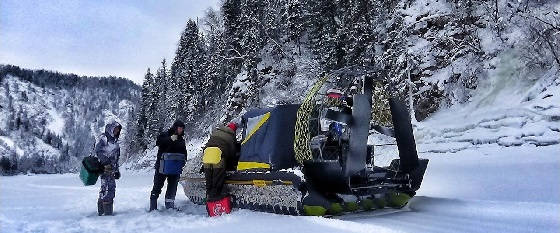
pixel 171 163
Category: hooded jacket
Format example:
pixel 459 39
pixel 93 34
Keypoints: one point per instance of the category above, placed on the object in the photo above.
pixel 166 145
pixel 107 148
pixel 224 138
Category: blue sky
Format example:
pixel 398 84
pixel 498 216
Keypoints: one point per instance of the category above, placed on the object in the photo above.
pixel 101 37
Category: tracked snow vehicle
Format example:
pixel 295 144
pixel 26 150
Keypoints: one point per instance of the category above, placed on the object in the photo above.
pixel 313 159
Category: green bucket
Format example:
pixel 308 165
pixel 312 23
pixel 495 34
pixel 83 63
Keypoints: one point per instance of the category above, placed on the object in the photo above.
pixel 87 177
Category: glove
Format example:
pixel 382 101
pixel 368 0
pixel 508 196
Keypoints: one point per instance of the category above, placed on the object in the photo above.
pixel 117 175
pixel 108 169
pixel 174 137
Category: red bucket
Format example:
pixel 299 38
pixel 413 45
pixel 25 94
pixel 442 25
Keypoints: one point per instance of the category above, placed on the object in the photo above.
pixel 219 207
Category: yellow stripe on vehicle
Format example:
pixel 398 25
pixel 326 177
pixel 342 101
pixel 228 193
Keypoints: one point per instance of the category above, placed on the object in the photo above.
pixel 259 183
pixel 254 130
pixel 242 182
pixel 251 165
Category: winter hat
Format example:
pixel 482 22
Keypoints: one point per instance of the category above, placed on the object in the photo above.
pixel 110 128
pixel 232 126
pixel 177 124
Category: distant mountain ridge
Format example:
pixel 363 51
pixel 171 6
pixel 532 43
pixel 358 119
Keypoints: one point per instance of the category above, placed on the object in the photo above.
pixel 49 120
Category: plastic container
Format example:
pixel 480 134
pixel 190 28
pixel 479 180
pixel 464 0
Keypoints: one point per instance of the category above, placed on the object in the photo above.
pixel 87 177
pixel 172 163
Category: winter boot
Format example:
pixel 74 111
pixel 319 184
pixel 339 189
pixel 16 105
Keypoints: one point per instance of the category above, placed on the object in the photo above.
pixel 108 208
pixel 153 203
pixel 169 204
pixel 100 207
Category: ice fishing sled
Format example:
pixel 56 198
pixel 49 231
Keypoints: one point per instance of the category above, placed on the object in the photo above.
pixel 313 159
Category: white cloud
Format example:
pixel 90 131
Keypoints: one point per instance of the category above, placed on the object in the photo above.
pixel 121 38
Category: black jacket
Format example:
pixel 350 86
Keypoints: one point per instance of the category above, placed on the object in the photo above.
pixel 166 145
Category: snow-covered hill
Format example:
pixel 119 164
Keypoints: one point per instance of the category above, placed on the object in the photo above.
pixel 509 112
pixel 49 121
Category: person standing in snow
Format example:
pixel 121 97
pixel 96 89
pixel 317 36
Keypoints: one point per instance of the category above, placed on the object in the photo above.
pixel 220 154
pixel 171 142
pixel 108 152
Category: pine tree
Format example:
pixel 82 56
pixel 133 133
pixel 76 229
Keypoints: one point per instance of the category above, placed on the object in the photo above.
pixel 64 154
pixel 251 44
pixel 142 120
pixel 156 100
pixel 11 110
pixel 253 36
pixel 365 29
pixel 323 31
pixel 233 34
pixel 295 20
pixel 162 81
pixel 355 36
pixel 149 102
pixel 130 142
pixel 188 70
pixel 216 74
pixel 172 97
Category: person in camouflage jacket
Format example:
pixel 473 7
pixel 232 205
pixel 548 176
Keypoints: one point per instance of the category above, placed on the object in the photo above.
pixel 108 151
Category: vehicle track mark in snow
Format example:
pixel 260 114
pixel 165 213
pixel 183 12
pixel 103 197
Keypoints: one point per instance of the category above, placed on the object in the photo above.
pixel 374 213
pixel 349 226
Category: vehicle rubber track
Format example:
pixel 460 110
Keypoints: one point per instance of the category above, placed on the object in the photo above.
pixel 273 196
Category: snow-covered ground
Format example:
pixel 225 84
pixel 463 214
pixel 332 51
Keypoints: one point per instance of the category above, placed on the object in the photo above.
pixel 488 189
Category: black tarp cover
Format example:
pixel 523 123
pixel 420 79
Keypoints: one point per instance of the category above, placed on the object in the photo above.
pixel 268 138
